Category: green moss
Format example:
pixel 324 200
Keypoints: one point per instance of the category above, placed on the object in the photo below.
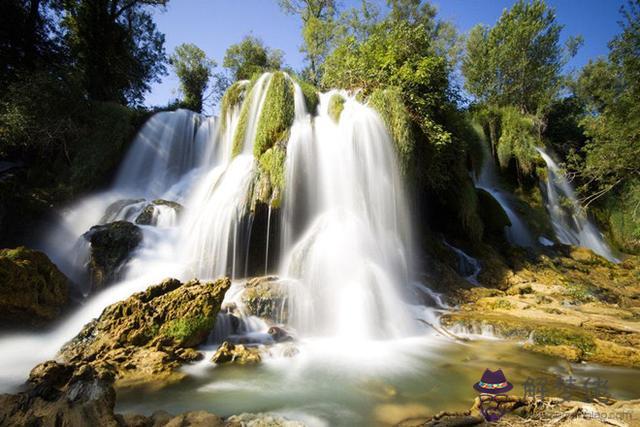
pixel 185 329
pixel 272 167
pixel 560 336
pixel 466 202
pixel 389 104
pixel 579 293
pixel 500 304
pixel 336 105
pixel 232 97
pixel 310 94
pixel 277 114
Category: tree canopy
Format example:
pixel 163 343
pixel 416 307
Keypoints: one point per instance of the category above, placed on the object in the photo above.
pixel 194 69
pixel 251 56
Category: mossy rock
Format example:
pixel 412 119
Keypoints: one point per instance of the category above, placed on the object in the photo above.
pixel 243 121
pixel 111 246
pixel 276 116
pixel 265 297
pixel 271 176
pixel 493 216
pixel 236 353
pixel 145 338
pixel 389 104
pixel 310 93
pixel 232 98
pixel 33 292
pixel 336 106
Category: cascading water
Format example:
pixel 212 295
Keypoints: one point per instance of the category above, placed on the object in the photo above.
pixel 569 219
pixel 354 256
pixel 486 179
pixel 345 246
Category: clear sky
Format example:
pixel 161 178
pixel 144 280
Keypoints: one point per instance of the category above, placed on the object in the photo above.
pixel 213 25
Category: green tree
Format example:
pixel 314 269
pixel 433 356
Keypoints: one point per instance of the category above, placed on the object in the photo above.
pixel 319 26
pixel 115 46
pixel 194 69
pixel 251 56
pixel 514 70
pixel 611 89
pixel 518 61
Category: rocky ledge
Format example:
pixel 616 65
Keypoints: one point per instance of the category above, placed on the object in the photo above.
pixel 145 338
pixel 33 292
pixel 571 304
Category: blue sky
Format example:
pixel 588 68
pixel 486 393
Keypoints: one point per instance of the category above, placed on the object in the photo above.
pixel 213 25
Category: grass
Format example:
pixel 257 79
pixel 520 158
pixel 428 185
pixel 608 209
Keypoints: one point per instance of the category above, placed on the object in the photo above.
pixel 560 336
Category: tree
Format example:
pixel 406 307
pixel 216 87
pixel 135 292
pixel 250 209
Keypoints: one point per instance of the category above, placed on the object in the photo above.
pixel 25 37
pixel 518 61
pixel 249 57
pixel 318 29
pixel 610 89
pixel 115 46
pixel 193 68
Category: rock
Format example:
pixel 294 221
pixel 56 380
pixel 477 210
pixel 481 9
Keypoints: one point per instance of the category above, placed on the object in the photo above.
pixel 58 395
pixel 493 216
pixel 236 353
pixel 146 337
pixel 33 292
pixel 120 209
pixel 146 217
pixel 260 420
pixel 195 419
pixel 278 334
pixel 266 297
pixel 111 247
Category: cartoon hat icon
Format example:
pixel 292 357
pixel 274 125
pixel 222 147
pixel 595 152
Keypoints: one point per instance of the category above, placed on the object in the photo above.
pixel 493 383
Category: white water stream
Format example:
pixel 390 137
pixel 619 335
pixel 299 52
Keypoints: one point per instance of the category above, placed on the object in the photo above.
pixel 487 180
pixel 569 219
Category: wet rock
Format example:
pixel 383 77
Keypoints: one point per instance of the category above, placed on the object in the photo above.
pixel 278 334
pixel 59 395
pixel 146 216
pixel 236 353
pixel 493 216
pixel 146 337
pixel 266 297
pixel 120 209
pixel 33 292
pixel 111 247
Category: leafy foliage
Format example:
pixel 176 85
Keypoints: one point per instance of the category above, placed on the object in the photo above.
pixel 115 46
pixel 336 105
pixel 193 68
pixel 318 31
pixel 250 57
pixel 518 61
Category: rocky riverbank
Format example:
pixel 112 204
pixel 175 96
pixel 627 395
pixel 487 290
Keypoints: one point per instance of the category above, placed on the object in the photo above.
pixel 569 303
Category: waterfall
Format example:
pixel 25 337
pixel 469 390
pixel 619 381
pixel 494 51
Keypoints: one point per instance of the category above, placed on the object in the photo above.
pixel 355 253
pixel 569 219
pixel 346 239
pixel 468 266
pixel 517 233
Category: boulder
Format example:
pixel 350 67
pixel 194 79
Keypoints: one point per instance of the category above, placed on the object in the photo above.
pixel 146 217
pixel 59 395
pixel 146 337
pixel 111 247
pixel 236 353
pixel 279 334
pixel 493 216
pixel 266 297
pixel 33 292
